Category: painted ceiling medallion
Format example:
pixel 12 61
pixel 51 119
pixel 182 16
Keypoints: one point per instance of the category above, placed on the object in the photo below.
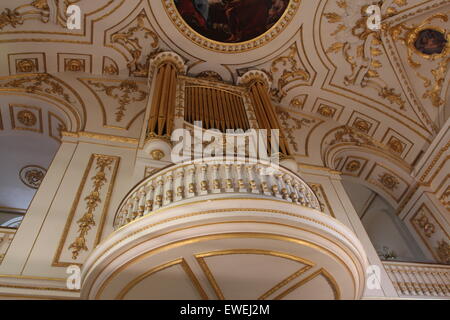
pixel 32 176
pixel 231 25
pixel 430 41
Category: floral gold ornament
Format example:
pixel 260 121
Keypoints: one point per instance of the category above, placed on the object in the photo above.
pixel 87 221
pixel 443 251
pixel 74 65
pixel 291 71
pixel 299 101
pixel 389 181
pixel 289 129
pixel 445 198
pixel 38 83
pixel 110 67
pixel 26 65
pixel 360 48
pixel 427 227
pixel 430 43
pixel 396 146
pixel 36 10
pixel 210 75
pixel 125 93
pixel 423 40
pixel 327 111
pixel 27 118
pixel 32 176
pixel 353 166
pixel 157 155
pixel 362 125
pixel 132 40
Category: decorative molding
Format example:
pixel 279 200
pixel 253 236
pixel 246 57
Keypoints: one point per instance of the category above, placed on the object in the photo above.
pixel 99 136
pixel 132 38
pixel 223 47
pixel 26 118
pixel 36 10
pixel 432 233
pixel 32 175
pixel 126 93
pixel 101 170
pixel 286 71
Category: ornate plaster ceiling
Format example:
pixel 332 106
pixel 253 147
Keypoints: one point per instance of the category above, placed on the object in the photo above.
pixel 347 97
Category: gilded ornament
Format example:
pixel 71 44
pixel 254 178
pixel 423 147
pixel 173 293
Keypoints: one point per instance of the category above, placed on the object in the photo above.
pixel 157 155
pixel 327 111
pixel 445 198
pixel 290 129
pixel 353 166
pixel 74 65
pixel 427 227
pixel 291 72
pixel 360 48
pixel 430 43
pixel 210 75
pixel 87 221
pixel 38 83
pixel 132 40
pixel 27 118
pixel 362 125
pixel 125 93
pixel 26 65
pixel 443 251
pixel 389 181
pixel 396 145
pixel 32 176
pixel 17 16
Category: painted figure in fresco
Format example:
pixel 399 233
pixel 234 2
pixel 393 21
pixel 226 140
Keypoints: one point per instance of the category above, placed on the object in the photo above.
pixel 276 11
pixel 203 7
pixel 231 20
pixel 430 42
pixel 191 14
pixel 247 18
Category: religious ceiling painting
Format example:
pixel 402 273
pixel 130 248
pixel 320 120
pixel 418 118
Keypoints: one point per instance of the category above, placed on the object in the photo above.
pixel 231 21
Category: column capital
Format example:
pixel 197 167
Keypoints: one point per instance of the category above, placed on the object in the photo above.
pixel 167 57
pixel 255 75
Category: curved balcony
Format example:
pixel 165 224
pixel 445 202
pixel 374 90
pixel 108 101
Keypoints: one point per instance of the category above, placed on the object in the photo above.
pixel 196 181
pixel 225 231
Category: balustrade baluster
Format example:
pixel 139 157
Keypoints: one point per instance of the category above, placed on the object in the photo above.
pixel 179 184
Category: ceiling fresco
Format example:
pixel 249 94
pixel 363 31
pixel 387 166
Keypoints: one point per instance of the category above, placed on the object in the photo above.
pixel 233 20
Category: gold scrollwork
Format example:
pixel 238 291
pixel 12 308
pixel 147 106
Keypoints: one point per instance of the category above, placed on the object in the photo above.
pixel 130 39
pixel 126 93
pixel 87 221
pixel 36 10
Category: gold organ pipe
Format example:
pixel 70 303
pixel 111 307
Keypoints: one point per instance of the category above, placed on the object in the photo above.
pixel 215 109
pixel 221 112
pixel 218 109
pixel 265 113
pixel 225 110
pixel 172 96
pixel 164 100
pixel 207 108
pixel 238 112
pixel 155 102
pixel 241 107
pixel 162 110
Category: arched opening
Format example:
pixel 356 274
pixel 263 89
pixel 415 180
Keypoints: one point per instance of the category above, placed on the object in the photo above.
pixel 30 136
pixel 389 234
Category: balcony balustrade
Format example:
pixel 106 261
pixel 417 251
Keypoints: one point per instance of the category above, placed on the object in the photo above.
pixel 417 279
pixel 202 180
